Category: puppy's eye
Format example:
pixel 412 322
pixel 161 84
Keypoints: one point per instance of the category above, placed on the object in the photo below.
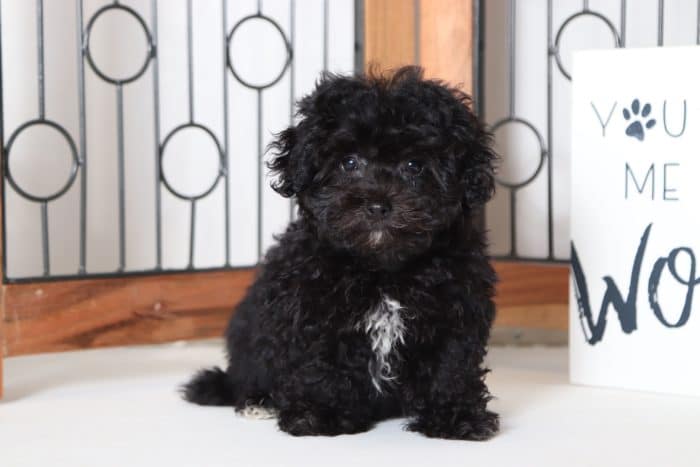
pixel 350 164
pixel 414 167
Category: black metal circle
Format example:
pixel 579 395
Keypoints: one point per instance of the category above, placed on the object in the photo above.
pixel 540 140
pixel 219 150
pixel 75 160
pixel 287 46
pixel 608 23
pixel 144 27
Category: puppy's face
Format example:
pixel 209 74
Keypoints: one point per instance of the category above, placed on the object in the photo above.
pixel 382 165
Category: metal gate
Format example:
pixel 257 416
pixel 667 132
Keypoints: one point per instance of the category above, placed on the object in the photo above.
pixel 525 64
pixel 285 22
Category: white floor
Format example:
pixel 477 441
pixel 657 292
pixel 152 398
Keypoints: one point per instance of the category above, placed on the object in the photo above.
pixel 119 407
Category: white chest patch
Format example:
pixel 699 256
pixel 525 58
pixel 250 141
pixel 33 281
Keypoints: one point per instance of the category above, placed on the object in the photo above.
pixel 385 328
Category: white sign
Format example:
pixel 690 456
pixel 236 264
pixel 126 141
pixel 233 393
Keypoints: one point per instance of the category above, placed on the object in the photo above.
pixel 635 277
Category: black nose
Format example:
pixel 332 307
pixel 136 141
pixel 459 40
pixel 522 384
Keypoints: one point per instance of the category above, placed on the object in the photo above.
pixel 378 210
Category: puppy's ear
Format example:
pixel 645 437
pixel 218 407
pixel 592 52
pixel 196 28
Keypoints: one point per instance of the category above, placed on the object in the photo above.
pixel 478 173
pixel 290 163
pixel 473 145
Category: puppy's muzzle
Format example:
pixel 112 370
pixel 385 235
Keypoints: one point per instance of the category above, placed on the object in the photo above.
pixel 378 210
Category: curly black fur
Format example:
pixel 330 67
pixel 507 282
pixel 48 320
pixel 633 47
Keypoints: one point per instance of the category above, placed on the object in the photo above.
pixel 388 172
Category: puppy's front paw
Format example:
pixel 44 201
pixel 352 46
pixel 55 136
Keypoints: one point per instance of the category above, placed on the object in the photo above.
pixel 478 426
pixel 307 423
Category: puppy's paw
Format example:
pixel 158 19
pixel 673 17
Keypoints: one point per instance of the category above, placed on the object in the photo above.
pixel 307 423
pixel 466 426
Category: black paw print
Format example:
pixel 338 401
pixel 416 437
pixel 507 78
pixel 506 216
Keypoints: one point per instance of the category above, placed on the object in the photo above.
pixel 636 129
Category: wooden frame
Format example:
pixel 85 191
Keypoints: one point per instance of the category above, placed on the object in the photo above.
pixel 77 314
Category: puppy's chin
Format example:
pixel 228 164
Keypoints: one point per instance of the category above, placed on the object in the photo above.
pixel 386 249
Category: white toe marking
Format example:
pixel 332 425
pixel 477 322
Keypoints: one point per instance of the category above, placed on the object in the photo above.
pixel 255 412
pixel 385 328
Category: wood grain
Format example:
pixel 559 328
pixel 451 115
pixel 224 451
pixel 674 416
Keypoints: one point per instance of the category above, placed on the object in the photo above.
pixel 78 314
pixel 532 295
pixel 389 33
pixel 446 41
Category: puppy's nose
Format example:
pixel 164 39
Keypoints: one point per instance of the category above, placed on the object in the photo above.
pixel 378 210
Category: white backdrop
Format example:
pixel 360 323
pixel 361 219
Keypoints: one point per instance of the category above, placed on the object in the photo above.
pixel 40 159
pixel 518 146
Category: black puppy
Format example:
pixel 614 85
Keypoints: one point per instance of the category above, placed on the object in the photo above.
pixel 376 302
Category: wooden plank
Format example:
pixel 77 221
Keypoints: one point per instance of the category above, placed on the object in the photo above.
pixel 446 41
pixel 389 33
pixel 532 295
pixel 67 315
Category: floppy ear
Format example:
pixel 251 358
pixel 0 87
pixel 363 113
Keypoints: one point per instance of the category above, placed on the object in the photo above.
pixel 478 175
pixel 291 162
pixel 473 144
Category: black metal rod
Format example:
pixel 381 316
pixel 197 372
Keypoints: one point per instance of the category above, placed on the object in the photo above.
pixel 550 150
pixel 586 5
pixel 119 275
pixel 623 23
pixel 190 64
pixel 156 129
pixel 227 178
pixel 513 222
pixel 511 58
pixel 2 164
pixel 359 29
pixel 697 23
pixel 660 34
pixel 325 35
pixel 292 83
pixel 259 174
pixel 83 139
pixel 40 56
pixel 45 237
pixel 120 176
pixel 193 222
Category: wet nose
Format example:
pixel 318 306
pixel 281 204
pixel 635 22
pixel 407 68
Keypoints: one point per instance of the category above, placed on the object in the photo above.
pixel 378 210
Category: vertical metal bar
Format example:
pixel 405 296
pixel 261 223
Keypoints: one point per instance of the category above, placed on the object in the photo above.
pixel 45 237
pixel 3 169
pixel 513 223
pixel 156 129
pixel 292 83
pixel 325 35
pixel 190 67
pixel 623 23
pixel 120 176
pixel 193 221
pixel 416 32
pixel 83 139
pixel 40 56
pixel 511 58
pixel 259 174
pixel 586 5
pixel 550 151
pixel 660 34
pixel 697 25
pixel 227 181
pixel 359 36
pixel 259 7
pixel 477 25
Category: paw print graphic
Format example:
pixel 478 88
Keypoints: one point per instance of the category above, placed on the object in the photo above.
pixel 638 123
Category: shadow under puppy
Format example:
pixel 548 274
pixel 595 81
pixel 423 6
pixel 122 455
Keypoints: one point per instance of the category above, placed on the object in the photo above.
pixel 376 302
